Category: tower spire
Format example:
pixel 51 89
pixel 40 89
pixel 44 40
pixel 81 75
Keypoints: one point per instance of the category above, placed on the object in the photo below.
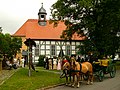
pixel 42 16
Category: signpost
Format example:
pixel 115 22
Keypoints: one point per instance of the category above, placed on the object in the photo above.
pixel 29 43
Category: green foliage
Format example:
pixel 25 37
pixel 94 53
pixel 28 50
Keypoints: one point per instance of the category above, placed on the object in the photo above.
pixel 10 46
pixel 41 60
pixel 100 19
pixel 87 48
pixel 16 43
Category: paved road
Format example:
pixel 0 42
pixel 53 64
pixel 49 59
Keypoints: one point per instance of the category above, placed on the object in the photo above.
pixel 107 84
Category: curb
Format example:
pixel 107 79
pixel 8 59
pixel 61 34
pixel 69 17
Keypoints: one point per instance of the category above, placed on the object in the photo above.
pixel 48 87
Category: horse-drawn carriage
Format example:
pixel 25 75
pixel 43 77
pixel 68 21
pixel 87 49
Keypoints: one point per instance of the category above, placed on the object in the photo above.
pixel 87 70
pixel 102 67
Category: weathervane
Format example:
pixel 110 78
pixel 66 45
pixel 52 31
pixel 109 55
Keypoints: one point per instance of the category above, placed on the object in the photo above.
pixel 42 4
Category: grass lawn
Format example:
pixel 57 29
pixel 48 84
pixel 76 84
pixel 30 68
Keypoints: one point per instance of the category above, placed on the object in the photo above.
pixel 43 78
pixel 21 81
pixel 117 65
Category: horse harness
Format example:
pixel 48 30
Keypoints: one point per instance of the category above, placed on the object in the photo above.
pixel 66 71
pixel 72 70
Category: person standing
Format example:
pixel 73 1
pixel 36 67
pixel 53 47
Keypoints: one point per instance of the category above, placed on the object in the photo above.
pixel 45 62
pixel 78 58
pixel 23 60
pixel 18 60
pixel 54 63
pixel 59 64
pixel 50 63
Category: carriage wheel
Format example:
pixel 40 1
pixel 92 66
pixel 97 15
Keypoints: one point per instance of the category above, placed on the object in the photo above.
pixel 100 75
pixel 112 71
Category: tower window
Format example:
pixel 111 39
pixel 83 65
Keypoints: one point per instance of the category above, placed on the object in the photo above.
pixel 42 16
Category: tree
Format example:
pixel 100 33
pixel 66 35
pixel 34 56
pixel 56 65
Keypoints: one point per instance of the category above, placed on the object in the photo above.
pixel 98 20
pixel 4 44
pixel 10 46
pixel 16 44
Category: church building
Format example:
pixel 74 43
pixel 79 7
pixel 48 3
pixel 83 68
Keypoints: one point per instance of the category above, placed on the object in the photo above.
pixel 46 37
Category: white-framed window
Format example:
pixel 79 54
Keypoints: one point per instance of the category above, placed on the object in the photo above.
pixel 53 50
pixel 73 43
pixel 48 52
pixel 43 47
pixel 68 50
pixel 58 47
pixel 77 43
pixel 47 46
pixel 52 42
pixel 47 42
pixel 73 47
pixel 42 52
pixel 37 50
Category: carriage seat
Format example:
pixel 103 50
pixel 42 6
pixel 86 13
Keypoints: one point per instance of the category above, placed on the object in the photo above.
pixel 104 62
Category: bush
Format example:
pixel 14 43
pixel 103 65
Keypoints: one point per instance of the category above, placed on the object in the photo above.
pixel 41 60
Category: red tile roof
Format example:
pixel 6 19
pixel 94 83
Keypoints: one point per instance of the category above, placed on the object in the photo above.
pixel 31 29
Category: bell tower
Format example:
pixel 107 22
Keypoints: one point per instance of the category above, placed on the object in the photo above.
pixel 42 16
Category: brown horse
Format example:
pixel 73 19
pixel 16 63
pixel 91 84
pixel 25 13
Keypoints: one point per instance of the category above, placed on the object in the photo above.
pixel 66 72
pixel 78 69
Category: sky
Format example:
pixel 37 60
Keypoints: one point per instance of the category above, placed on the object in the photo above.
pixel 14 13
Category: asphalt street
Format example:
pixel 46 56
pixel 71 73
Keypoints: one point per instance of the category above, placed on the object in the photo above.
pixel 107 84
